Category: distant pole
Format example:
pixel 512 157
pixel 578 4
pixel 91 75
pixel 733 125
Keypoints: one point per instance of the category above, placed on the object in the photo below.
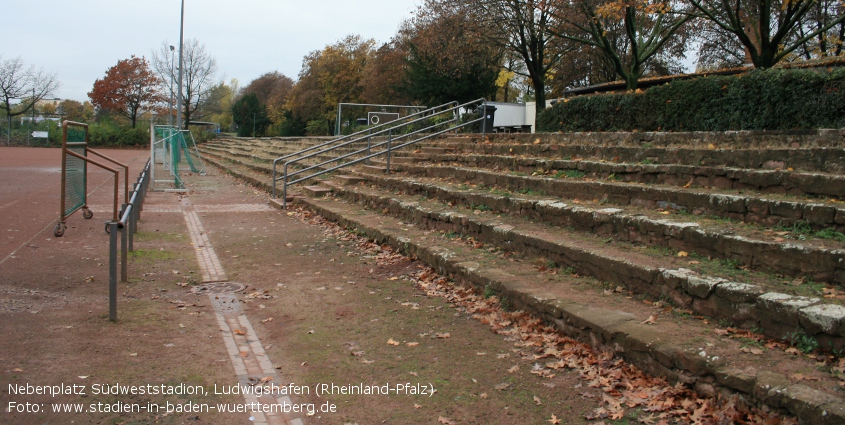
pixel 170 115
pixel 179 85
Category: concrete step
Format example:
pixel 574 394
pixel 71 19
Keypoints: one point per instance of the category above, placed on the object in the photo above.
pixel 807 159
pixel 373 169
pixel 740 207
pixel 614 325
pixel 434 150
pixel 822 260
pixel 751 305
pixel 403 160
pixel 802 184
pixel 347 180
pixel 316 191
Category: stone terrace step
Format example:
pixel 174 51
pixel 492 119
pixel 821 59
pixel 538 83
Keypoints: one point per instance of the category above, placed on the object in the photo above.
pixel 824 160
pixel 662 276
pixel 795 258
pixel 749 209
pixel 773 181
pixel 617 327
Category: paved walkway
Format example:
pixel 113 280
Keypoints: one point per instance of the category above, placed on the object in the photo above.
pixel 252 365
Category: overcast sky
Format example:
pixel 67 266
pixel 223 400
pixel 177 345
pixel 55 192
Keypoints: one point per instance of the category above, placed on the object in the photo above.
pixel 80 40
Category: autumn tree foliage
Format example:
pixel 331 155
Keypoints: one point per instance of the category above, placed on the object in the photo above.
pixel 448 60
pixel 772 30
pixel 629 33
pixel 328 77
pixel 272 90
pixel 128 88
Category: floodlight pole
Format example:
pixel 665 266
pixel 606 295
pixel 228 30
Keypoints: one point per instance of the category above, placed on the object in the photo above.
pixel 179 85
pixel 170 112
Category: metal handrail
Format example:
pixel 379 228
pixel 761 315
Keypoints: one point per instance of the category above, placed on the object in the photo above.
pixel 389 143
pixel 369 133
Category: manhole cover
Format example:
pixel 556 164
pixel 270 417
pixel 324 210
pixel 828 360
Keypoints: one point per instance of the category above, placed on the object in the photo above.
pixel 218 288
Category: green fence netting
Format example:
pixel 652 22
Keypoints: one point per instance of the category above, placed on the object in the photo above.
pixel 76 171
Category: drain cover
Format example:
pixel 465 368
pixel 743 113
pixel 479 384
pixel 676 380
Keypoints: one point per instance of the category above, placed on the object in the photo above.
pixel 218 288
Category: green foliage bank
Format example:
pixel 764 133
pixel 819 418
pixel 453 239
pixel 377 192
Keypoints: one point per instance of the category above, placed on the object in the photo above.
pixel 770 99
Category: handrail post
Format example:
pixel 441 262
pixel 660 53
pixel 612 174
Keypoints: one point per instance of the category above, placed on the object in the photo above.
pixel 369 132
pixel 285 188
pixel 274 179
pixel 113 229
pixel 389 141
pixel 124 246
pixel 483 120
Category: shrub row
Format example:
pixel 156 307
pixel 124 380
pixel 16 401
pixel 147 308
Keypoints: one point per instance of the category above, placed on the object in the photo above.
pixel 772 99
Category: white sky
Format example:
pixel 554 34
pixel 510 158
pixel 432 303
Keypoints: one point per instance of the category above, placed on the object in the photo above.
pixel 80 40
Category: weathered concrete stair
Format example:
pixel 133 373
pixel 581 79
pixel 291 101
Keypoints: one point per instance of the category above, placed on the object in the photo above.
pixel 775 313
pixel 621 332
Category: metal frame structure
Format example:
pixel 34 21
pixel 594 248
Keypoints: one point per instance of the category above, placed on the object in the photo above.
pixel 341 105
pixel 67 151
pixel 165 156
pixel 387 129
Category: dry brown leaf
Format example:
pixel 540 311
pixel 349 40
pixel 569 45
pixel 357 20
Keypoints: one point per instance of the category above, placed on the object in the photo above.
pixel 554 420
pixel 537 400
pixel 503 386
pixel 683 254
pixel 483 395
pixel 412 344
pixel 265 379
pixel 239 332
pixel 651 320
pixel 445 421
pixel 417 406
pixel 392 342
pixel 514 368
pixel 269 319
pixel 443 335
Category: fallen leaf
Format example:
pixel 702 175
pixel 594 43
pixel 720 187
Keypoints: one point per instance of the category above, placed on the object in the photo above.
pixel 412 344
pixel 417 406
pixel 357 353
pixel 445 421
pixel 537 400
pixel 17 370
pixel 483 395
pixel 503 386
pixel 554 420
pixel 239 332
pixel 514 368
pixel 683 254
pixel 133 354
pixel 265 379
pixel 269 319
pixel 392 342
pixel 651 320
pixel 443 335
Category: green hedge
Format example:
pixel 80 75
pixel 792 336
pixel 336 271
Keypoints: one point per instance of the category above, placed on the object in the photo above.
pixel 773 99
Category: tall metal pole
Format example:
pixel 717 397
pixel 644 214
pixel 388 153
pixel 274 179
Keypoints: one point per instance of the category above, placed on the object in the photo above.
pixel 170 115
pixel 179 85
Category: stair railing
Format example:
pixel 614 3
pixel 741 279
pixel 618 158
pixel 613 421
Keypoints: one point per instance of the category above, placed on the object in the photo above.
pixel 359 136
pixel 429 132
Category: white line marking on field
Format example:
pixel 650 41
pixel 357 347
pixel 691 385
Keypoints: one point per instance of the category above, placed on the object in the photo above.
pixel 250 361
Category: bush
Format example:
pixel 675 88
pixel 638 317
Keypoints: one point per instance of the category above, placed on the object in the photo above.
pixel 109 134
pixel 772 99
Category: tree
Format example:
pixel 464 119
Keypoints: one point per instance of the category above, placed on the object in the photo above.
pixel 629 33
pixel 73 110
pixel 521 26
pixel 384 72
pixel 448 61
pixel 272 90
pixel 26 84
pixel 128 88
pixel 250 116
pixel 769 30
pixel 198 80
pixel 328 77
